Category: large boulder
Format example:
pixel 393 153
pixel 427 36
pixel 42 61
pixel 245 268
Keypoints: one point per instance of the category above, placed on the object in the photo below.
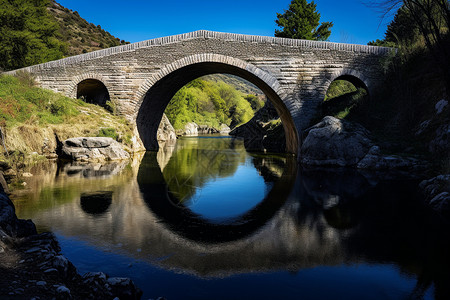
pixel 205 129
pixel 93 149
pixel 165 132
pixel 335 142
pixel 190 129
pixel 224 129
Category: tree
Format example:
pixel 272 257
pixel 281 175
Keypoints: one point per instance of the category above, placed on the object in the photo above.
pixel 28 34
pixel 301 21
pixel 428 18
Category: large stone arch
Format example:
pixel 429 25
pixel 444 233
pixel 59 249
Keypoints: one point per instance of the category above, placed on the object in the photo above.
pixel 156 92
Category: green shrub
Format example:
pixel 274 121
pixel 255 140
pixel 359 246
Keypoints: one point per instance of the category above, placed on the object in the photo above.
pixel 210 103
pixel 108 132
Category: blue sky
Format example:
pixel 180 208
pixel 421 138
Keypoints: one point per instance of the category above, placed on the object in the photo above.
pixel 138 20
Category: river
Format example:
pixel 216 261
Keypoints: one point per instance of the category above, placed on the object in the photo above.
pixel 205 219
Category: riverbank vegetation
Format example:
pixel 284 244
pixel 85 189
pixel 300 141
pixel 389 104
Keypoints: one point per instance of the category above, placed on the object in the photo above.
pixel 33 119
pixel 211 103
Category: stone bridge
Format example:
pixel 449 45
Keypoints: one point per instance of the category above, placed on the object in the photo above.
pixel 141 78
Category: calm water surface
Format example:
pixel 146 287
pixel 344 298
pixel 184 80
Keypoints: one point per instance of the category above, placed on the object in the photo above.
pixel 207 220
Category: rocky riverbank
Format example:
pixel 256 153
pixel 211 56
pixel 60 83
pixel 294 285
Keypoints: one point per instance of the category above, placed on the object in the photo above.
pixel 33 267
pixel 339 143
pixel 263 132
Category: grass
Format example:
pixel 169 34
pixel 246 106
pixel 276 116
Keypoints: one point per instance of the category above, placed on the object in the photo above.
pixel 23 103
pixel 108 132
pixel 32 118
pixel 343 100
pixel 338 88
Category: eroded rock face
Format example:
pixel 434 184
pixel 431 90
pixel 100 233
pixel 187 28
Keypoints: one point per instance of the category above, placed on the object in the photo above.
pixel 166 132
pixel 9 223
pixel 190 129
pixel 224 129
pixel 335 142
pixel 340 143
pixel 93 149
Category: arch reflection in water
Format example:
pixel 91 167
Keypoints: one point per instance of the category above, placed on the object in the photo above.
pixel 185 194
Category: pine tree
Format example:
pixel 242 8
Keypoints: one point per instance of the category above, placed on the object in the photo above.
pixel 301 21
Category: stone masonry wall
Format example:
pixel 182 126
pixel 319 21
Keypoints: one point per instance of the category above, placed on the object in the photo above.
pixel 298 71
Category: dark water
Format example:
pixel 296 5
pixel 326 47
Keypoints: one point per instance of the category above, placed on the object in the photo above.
pixel 207 220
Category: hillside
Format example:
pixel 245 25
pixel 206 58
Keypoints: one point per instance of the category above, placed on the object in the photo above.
pixel 212 102
pixel 33 119
pixel 237 82
pixel 80 35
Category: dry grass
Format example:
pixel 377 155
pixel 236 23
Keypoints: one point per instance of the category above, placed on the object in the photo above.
pixel 38 118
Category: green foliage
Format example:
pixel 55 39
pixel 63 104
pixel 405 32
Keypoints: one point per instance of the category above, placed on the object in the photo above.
pixel 343 99
pixel 28 34
pixel 382 43
pixel 255 102
pixel 400 32
pixel 237 82
pixel 21 102
pixel 338 88
pixel 209 103
pixel 108 132
pixel 301 21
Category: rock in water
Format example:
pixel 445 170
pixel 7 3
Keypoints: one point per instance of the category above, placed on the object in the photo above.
pixel 190 129
pixel 166 132
pixel 335 142
pixel 93 149
pixel 224 129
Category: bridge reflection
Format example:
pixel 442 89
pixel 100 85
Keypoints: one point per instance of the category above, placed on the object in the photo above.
pixel 309 218
pixel 167 207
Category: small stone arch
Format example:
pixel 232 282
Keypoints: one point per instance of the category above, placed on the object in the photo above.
pixel 355 77
pixel 156 92
pixel 72 90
